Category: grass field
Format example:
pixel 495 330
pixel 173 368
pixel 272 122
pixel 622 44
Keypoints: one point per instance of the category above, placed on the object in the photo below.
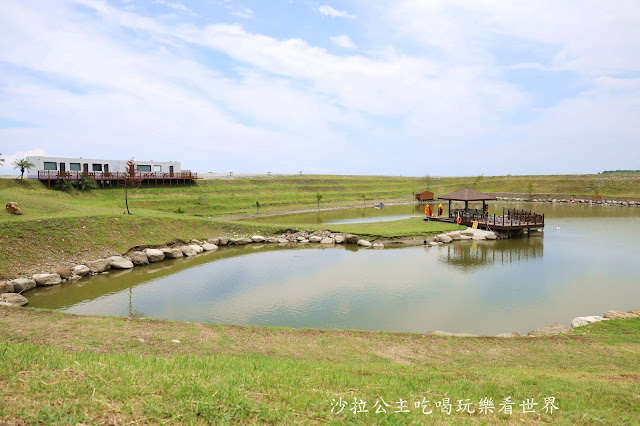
pixel 66 369
pixel 59 227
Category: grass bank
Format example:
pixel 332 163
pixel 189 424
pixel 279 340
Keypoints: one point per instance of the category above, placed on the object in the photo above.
pixel 59 227
pixel 67 369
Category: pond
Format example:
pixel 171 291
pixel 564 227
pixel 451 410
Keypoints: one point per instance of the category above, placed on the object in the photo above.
pixel 587 267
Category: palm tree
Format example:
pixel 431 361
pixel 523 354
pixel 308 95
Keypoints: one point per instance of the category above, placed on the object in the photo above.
pixel 23 165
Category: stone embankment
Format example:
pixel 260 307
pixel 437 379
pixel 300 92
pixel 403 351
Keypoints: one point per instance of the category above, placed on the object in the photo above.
pixel 570 199
pixel 556 328
pixel 11 291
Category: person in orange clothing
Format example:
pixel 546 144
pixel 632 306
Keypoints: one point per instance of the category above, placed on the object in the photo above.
pixel 440 209
pixel 427 210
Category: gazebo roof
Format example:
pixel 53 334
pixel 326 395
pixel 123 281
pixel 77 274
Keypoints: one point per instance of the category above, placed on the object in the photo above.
pixel 467 194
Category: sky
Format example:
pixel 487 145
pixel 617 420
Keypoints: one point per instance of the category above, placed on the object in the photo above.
pixel 377 87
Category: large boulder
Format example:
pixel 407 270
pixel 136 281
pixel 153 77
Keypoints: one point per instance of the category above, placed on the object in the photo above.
pixel 154 255
pixel 80 270
pixel 327 241
pixel 223 241
pixel 209 247
pixel 139 258
pixel 635 311
pixel 197 248
pixel 339 239
pixel 6 287
pixel 13 208
pixel 315 239
pixel 550 330
pixel 465 238
pixel 258 239
pixel 213 241
pixel 188 251
pixel 119 262
pixel 454 236
pixel 364 243
pixel 98 266
pixel 240 241
pixel 508 335
pixel 351 239
pixel 491 236
pixel 47 279
pixel 22 284
pixel 282 240
pixel 478 237
pixel 271 240
pixel 172 253
pixel 13 299
pixel 619 315
pixel 467 233
pixel 580 321
pixel 444 238
pixel 63 272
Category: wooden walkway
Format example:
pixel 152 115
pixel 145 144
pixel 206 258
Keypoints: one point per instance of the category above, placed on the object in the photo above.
pixel 510 219
pixel 116 180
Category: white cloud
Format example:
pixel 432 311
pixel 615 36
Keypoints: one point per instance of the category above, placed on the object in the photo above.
pixel 343 41
pixel 7 166
pixel 174 5
pixel 422 99
pixel 327 10
pixel 245 12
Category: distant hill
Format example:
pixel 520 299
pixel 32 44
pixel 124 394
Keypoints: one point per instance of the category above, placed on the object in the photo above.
pixel 618 171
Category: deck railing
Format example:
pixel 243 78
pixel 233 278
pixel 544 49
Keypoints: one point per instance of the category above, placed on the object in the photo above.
pixel 509 217
pixel 77 175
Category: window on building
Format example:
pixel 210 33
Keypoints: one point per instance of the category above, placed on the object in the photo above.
pixel 50 165
pixel 144 168
pixel 157 168
pixel 96 167
pixel 74 167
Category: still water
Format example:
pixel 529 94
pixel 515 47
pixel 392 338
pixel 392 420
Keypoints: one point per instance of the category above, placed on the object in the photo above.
pixel 589 266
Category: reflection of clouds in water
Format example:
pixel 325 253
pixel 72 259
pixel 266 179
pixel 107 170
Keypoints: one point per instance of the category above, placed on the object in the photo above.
pixel 483 287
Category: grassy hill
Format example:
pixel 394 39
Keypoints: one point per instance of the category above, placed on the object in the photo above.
pixel 60 227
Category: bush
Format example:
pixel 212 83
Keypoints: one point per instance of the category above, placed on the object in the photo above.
pixel 65 185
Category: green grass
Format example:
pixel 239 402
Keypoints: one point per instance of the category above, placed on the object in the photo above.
pixel 50 232
pixel 65 369
pixel 411 227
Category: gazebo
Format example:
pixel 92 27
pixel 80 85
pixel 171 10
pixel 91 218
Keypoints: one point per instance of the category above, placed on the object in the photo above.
pixel 466 195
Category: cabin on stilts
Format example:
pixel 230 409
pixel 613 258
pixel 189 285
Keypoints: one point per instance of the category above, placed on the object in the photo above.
pixel 425 196
pixel 510 219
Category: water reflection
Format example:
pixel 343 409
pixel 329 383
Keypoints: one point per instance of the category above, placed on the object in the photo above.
pixel 485 287
pixel 473 254
pixel 371 214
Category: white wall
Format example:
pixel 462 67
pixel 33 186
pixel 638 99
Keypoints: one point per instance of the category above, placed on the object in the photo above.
pixel 113 165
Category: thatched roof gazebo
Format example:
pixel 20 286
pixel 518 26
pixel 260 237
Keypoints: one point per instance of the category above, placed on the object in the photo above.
pixel 466 195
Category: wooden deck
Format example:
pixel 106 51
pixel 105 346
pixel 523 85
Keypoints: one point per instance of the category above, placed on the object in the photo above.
pixel 510 219
pixel 116 180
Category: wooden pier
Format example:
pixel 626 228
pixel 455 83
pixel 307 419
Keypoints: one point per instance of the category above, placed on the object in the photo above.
pixel 117 180
pixel 510 219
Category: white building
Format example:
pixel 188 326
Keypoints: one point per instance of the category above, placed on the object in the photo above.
pixel 65 164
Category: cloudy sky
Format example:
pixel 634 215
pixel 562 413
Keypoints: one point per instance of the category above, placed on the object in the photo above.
pixel 397 87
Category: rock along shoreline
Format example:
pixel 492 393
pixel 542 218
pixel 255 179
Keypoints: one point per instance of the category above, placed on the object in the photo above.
pixel 11 291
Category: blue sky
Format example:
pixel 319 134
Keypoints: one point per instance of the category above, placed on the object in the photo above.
pixel 392 87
